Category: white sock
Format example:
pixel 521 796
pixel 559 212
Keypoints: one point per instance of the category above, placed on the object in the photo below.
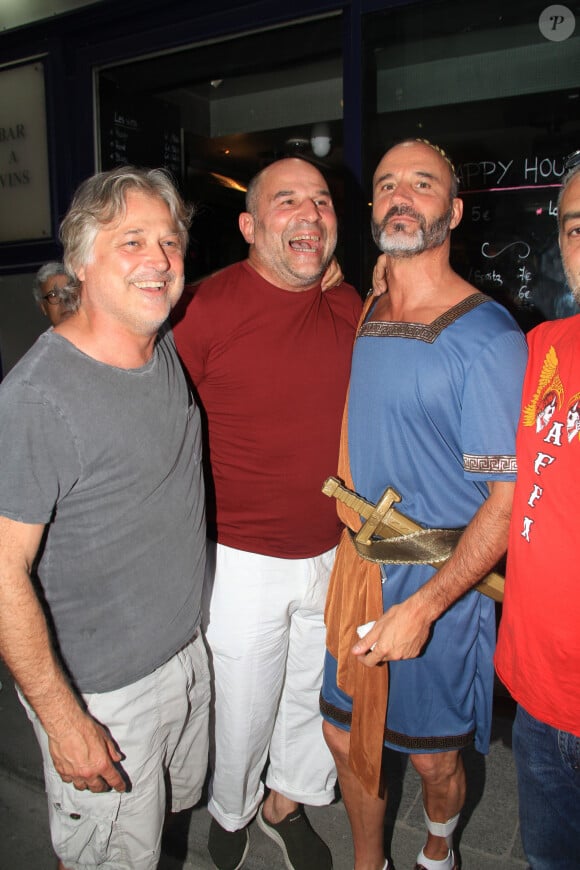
pixel 430 864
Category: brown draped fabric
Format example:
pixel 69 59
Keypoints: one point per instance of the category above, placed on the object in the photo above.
pixel 355 597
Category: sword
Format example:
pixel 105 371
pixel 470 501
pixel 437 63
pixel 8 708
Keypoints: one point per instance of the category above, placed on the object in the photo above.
pixel 385 520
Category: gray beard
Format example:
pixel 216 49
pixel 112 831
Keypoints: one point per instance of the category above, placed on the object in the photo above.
pixel 401 244
pixel 573 284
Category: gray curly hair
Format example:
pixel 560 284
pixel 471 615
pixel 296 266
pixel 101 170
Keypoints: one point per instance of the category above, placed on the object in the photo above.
pixel 100 200
pixel 49 270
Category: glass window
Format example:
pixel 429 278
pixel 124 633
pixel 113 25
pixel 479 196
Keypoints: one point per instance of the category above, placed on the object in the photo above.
pixel 498 87
pixel 214 114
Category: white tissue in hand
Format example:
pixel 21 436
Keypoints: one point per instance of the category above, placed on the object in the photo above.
pixel 364 629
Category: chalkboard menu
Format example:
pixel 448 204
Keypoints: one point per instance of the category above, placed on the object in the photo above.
pixel 139 131
pixel 507 241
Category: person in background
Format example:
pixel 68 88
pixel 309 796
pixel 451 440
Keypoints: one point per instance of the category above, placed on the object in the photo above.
pixel 432 411
pixel 102 505
pixel 538 650
pixel 51 292
pixel 269 354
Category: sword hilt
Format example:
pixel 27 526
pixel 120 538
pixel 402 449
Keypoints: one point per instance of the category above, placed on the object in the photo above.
pixel 376 517
pixel 380 515
pixel 334 488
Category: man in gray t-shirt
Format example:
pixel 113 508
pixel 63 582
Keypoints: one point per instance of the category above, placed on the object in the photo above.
pixel 101 497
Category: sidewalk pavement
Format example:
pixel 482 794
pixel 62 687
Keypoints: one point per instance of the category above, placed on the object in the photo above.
pixel 488 831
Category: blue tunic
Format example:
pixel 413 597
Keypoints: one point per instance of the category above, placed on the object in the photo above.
pixel 433 412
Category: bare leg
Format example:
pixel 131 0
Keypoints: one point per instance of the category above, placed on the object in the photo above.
pixel 277 807
pixel 443 781
pixel 365 813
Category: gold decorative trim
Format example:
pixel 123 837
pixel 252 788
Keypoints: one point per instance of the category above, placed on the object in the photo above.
pixel 427 332
pixel 489 464
pixel 441 744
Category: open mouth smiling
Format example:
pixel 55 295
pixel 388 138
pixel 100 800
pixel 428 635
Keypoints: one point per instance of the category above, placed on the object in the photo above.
pixel 306 243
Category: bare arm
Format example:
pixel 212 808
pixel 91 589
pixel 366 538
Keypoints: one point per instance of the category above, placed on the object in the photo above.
pixel 82 751
pixel 380 280
pixel 333 275
pixel 401 632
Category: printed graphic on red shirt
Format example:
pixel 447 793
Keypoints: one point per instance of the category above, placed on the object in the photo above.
pixel 538 650
pixel 548 396
pixel 556 419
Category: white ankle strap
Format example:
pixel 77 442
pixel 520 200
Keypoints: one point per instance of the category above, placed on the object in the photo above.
pixel 430 864
pixel 441 829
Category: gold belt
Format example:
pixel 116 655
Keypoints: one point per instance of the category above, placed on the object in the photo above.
pixel 390 537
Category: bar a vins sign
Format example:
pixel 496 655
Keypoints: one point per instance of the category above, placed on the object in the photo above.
pixel 13 179
pixel 24 178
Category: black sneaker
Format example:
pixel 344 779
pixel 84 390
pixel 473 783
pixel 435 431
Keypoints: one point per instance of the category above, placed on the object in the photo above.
pixel 228 849
pixel 301 846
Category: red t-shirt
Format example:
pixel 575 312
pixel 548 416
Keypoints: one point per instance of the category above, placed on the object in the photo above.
pixel 271 369
pixel 538 651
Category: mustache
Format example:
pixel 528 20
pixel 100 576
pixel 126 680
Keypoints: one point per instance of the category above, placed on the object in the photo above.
pixel 154 275
pixel 400 211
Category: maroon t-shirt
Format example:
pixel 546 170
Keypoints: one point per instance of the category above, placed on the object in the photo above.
pixel 271 369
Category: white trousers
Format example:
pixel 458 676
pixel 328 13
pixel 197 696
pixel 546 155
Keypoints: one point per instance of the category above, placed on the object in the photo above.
pixel 267 640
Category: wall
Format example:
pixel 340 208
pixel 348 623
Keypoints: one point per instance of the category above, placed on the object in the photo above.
pixel 21 321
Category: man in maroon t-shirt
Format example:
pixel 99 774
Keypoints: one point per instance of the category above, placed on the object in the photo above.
pixel 269 355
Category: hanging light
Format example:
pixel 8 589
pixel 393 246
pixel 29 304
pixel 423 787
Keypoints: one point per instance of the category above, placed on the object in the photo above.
pixel 320 139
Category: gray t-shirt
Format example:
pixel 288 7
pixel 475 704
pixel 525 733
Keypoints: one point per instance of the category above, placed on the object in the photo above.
pixel 110 460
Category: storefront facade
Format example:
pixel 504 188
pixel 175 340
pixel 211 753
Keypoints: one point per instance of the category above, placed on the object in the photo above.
pixel 215 90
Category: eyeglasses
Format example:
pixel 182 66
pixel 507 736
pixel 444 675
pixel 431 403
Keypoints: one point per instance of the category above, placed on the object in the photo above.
pixel 572 161
pixel 53 298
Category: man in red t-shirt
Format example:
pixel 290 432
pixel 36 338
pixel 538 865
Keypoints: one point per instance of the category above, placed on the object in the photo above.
pixel 538 650
pixel 269 355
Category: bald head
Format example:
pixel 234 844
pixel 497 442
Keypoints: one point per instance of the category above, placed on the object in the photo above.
pixel 414 202
pixel 290 224
pixel 419 146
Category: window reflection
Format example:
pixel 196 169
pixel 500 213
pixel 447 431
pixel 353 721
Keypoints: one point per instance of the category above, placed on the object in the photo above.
pixel 215 114
pixel 483 80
